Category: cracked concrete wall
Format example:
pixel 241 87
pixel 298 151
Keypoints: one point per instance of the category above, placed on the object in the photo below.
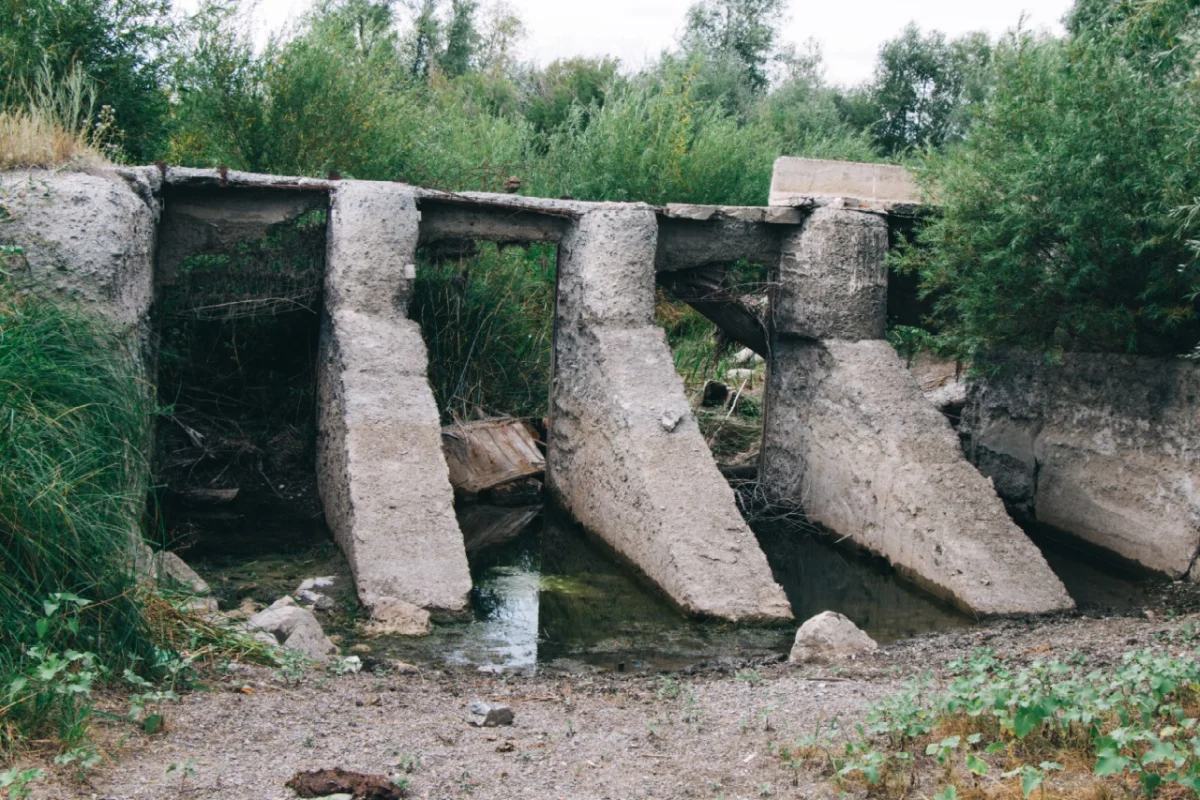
pixel 850 438
pixel 88 239
pixel 626 457
pixel 381 472
pixel 1105 447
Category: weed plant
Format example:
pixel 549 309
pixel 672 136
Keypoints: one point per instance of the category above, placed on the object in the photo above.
pixel 57 123
pixel 1120 731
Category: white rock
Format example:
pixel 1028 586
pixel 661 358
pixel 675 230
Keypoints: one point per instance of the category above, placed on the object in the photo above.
pixel 295 628
pixel 746 356
pixel 395 617
pixel 170 567
pixel 829 636
pixel 312 584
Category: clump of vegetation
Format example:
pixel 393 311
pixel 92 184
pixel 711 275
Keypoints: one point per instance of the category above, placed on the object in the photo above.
pixel 56 124
pixel 74 416
pixel 1060 227
pixel 1049 727
pixel 488 322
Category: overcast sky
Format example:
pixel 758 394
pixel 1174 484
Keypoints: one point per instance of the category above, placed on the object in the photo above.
pixel 850 31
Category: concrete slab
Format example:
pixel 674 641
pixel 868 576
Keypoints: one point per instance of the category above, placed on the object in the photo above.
pixel 1103 446
pixel 626 457
pixel 381 471
pixel 850 437
pixel 797 181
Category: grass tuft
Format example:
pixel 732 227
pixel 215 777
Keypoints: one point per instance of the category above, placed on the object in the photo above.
pixel 56 126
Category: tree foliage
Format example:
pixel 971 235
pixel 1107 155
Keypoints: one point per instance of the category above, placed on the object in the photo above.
pixel 121 45
pixel 739 33
pixel 925 87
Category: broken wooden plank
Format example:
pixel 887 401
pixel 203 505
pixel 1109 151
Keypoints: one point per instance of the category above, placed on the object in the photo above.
pixel 487 453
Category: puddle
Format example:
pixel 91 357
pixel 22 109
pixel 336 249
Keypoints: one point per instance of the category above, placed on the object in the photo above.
pixel 545 592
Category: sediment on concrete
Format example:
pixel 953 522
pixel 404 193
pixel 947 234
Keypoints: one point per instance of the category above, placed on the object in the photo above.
pixel 626 457
pixel 381 471
pixel 1105 447
pixel 850 437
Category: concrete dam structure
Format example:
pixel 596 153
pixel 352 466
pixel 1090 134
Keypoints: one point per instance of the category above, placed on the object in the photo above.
pixel 848 435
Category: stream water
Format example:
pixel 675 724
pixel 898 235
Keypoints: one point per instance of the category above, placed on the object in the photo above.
pixel 546 592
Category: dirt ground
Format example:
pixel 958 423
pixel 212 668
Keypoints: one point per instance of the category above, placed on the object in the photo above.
pixel 706 732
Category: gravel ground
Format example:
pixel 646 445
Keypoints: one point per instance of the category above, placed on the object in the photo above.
pixel 703 733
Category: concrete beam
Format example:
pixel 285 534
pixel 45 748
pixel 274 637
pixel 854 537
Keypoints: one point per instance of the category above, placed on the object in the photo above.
pixel 209 219
pixel 850 437
pixel 626 457
pixel 464 222
pixel 381 471
pixel 715 241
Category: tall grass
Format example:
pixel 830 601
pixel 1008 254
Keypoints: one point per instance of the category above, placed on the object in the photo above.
pixel 73 481
pixel 488 323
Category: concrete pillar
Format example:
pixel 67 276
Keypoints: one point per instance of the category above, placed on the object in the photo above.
pixel 626 457
pixel 832 277
pixel 850 438
pixel 380 468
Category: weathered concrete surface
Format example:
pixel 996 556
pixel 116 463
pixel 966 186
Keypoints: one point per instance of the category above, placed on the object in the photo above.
pixel 850 437
pixel 445 220
pixel 1105 447
pixel 833 278
pixel 380 468
pixel 625 454
pixel 686 243
pixel 88 239
pixel 797 181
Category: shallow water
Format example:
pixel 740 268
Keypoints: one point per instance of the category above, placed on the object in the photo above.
pixel 547 592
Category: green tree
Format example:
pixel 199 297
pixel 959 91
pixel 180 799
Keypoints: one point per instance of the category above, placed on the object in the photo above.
pixel 738 33
pixel 462 39
pixel 563 85
pixel 1159 36
pixel 925 87
pixel 424 39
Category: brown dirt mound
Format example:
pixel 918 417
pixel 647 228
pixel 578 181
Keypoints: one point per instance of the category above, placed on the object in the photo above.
pixel 324 782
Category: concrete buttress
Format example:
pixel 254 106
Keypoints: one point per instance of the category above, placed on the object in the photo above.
pixel 849 436
pixel 382 475
pixel 626 457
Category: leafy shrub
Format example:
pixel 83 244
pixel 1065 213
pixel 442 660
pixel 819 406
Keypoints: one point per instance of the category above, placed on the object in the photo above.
pixel 1056 230
pixel 487 322
pixel 1132 723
